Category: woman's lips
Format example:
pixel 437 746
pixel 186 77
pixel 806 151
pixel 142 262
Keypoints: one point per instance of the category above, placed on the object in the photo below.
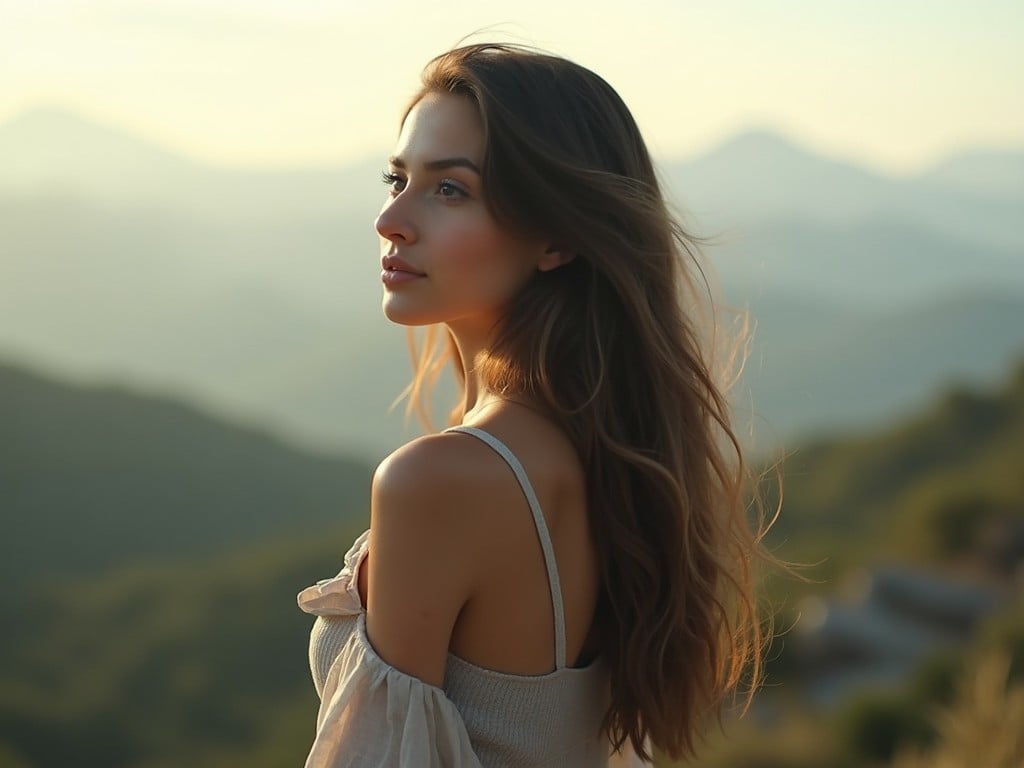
pixel 393 261
pixel 398 276
pixel 397 271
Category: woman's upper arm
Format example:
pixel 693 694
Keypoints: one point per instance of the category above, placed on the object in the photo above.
pixel 421 564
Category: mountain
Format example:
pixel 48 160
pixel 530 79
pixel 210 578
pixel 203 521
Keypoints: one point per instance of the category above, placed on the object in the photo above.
pixel 852 371
pixel 255 293
pixel 200 657
pixel 53 152
pixel 98 478
pixel 151 557
pixel 50 147
pixel 199 662
pixel 758 176
pixel 883 263
pixel 750 177
pixel 940 484
pixel 983 171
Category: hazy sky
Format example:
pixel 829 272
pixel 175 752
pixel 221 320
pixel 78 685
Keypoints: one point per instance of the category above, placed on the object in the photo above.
pixel 894 84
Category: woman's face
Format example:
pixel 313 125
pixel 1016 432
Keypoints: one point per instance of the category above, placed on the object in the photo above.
pixel 436 221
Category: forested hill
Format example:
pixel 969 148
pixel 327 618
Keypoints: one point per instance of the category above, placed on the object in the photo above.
pixel 944 488
pixel 151 557
pixel 201 661
pixel 93 478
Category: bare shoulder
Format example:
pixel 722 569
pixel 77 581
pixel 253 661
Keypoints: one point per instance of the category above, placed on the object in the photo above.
pixel 435 480
pixel 437 494
pixel 423 560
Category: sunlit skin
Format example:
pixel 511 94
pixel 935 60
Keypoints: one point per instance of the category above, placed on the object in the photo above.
pixel 437 220
pixel 454 561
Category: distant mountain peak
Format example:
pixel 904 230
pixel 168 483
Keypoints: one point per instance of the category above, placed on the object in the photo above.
pixel 759 149
pixel 52 148
pixel 59 129
pixel 983 169
pixel 44 114
pixel 761 139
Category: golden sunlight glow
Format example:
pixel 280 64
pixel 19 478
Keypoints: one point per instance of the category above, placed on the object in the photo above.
pixel 276 82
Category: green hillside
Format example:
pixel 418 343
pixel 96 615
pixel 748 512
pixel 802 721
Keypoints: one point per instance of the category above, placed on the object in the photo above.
pixel 945 486
pixel 189 649
pixel 170 665
pixel 152 554
pixel 93 478
pixel 941 494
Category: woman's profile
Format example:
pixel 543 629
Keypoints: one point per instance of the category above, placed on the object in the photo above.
pixel 565 571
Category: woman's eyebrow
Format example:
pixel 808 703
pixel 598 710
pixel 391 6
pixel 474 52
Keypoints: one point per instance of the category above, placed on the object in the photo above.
pixel 440 165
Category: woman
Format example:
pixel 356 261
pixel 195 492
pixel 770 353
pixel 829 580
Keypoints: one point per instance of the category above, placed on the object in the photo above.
pixel 564 573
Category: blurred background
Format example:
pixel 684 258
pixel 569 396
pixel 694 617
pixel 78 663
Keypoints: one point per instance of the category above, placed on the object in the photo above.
pixel 195 373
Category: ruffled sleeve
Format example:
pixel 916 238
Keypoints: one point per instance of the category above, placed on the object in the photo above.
pixel 338 595
pixel 371 714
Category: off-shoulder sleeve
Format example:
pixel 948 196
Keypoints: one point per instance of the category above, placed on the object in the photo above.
pixel 374 716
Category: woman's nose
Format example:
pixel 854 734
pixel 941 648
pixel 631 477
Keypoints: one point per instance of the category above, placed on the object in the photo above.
pixel 392 224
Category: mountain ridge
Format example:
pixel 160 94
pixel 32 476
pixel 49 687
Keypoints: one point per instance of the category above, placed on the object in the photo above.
pixel 202 659
pixel 57 121
pixel 255 291
pixel 101 476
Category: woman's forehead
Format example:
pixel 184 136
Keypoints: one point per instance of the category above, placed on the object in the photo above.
pixel 441 125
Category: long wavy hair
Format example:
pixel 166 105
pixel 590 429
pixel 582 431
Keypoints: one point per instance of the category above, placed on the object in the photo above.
pixel 618 347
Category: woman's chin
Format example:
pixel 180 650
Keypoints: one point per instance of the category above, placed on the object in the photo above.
pixel 394 312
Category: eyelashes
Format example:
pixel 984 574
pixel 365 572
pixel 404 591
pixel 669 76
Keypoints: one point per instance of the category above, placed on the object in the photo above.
pixel 390 179
pixel 447 187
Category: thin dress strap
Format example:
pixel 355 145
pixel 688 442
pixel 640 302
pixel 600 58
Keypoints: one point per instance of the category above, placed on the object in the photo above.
pixel 542 532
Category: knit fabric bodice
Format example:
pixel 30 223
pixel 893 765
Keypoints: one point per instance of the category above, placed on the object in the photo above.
pixel 372 714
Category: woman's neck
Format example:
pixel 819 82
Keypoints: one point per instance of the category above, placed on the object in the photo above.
pixel 472 345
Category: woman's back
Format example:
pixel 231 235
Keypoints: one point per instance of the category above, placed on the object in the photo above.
pixel 509 622
pixel 507 671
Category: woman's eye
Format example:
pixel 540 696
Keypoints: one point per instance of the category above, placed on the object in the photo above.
pixel 392 180
pixel 448 189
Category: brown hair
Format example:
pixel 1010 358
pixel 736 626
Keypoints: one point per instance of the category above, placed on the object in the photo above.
pixel 610 345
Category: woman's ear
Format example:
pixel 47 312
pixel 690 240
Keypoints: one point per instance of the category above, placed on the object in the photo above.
pixel 554 257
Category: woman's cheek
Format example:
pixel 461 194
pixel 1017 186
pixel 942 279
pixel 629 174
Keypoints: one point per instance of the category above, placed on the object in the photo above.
pixel 470 247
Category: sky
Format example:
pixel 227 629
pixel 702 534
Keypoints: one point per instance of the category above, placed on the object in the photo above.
pixel 895 85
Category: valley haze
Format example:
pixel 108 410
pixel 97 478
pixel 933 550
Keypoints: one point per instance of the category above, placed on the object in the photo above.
pixel 256 293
